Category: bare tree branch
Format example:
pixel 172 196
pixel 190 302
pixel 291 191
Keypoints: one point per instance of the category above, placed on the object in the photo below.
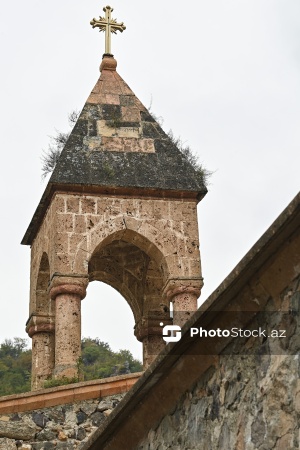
pixel 50 156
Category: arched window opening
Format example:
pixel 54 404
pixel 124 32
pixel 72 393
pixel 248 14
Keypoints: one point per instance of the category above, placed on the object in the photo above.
pixel 107 318
pixel 136 275
pixel 43 303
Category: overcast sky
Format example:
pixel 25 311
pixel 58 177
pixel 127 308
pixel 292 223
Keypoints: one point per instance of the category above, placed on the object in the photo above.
pixel 223 74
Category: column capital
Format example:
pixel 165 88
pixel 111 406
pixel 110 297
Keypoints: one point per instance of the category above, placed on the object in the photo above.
pixel 68 284
pixel 150 325
pixel 175 286
pixel 40 323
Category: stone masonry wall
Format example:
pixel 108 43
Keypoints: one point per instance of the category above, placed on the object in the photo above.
pixel 65 427
pixel 77 224
pixel 84 222
pixel 249 401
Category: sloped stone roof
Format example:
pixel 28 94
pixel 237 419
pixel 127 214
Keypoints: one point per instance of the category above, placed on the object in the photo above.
pixel 117 144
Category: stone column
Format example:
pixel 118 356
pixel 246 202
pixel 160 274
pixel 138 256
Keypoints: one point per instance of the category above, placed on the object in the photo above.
pixel 67 293
pixel 152 346
pixel 41 329
pixel 149 331
pixel 184 295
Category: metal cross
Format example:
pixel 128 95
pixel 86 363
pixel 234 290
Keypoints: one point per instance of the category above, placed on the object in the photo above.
pixel 108 25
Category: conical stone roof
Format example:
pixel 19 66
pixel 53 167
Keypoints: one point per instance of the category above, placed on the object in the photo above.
pixel 117 145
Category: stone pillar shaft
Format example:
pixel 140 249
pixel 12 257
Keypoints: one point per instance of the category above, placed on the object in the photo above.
pixel 67 335
pixel 67 326
pixel 152 346
pixel 184 304
pixel 41 329
pixel 42 359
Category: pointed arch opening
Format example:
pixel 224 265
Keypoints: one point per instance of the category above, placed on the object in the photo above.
pixel 132 271
pixel 43 304
pixel 40 328
pixel 107 316
pixel 135 268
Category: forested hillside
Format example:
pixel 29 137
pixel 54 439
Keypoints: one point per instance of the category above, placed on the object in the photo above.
pixel 98 361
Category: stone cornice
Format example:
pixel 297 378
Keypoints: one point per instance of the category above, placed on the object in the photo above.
pixel 62 395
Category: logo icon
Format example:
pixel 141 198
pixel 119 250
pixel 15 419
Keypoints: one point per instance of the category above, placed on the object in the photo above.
pixel 171 333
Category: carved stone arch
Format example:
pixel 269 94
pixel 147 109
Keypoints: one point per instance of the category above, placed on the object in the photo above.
pixel 121 261
pixel 130 230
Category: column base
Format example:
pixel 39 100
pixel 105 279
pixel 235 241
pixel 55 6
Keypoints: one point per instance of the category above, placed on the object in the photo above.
pixel 67 371
pixel 152 346
pixel 40 327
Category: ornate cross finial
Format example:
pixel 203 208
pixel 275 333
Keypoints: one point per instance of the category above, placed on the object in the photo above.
pixel 108 25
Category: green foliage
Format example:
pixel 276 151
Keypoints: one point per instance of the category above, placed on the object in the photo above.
pixel 97 361
pixel 50 157
pixel 15 366
pixel 202 174
pixel 108 170
pixel 114 122
pixel 54 382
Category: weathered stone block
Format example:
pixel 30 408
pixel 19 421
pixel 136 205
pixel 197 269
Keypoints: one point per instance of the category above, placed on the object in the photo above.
pixel 44 446
pixel 88 205
pixel 112 99
pixel 91 221
pixel 81 417
pixel 72 204
pixel 70 417
pixel 88 408
pixel 60 204
pixel 39 419
pixel 74 241
pixel 79 223
pixel 62 436
pixel 104 405
pixel 61 243
pixel 57 415
pixel 7 444
pixel 130 114
pixel 102 205
pixel 63 263
pixel 46 435
pixel 97 418
pixel 65 222
pixel 15 418
pixel 80 434
pixel 17 430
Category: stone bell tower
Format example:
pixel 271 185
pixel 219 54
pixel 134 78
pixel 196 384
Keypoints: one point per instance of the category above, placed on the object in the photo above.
pixel 120 207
